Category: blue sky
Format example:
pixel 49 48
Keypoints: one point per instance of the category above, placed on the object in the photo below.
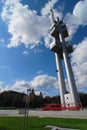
pixel 25 58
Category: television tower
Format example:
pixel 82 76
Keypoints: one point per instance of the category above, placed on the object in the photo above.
pixel 69 100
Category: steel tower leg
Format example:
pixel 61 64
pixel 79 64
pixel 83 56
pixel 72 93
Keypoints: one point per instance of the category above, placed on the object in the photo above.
pixel 61 79
pixel 70 76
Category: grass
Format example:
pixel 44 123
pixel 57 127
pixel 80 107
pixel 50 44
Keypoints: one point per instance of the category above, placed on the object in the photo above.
pixel 36 123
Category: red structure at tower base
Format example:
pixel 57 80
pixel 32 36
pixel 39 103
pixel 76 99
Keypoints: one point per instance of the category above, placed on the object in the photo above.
pixel 57 107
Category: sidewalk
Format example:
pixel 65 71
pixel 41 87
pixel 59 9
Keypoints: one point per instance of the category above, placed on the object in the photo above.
pixel 39 113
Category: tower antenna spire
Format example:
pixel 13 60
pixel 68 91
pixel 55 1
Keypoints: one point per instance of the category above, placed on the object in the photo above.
pixel 52 15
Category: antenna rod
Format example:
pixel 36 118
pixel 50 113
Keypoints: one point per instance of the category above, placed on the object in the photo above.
pixel 52 16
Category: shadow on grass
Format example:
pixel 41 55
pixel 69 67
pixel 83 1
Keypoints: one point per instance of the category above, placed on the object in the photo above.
pixel 3 128
pixel 34 128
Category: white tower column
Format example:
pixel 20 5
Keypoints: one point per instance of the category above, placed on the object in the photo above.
pixel 61 79
pixel 70 76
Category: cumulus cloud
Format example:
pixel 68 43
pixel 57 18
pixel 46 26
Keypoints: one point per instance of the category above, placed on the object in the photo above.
pixel 19 86
pixel 28 28
pixel 24 25
pixel 72 24
pixel 38 82
pixel 42 81
pixel 77 18
pixel 40 72
pixel 1 84
pixel 50 4
pixel 80 12
pixel 25 52
pixel 79 63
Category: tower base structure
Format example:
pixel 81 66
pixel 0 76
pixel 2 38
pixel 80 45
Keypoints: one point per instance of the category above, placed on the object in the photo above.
pixel 69 105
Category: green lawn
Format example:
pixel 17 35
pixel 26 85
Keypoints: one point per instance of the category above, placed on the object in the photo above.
pixel 36 123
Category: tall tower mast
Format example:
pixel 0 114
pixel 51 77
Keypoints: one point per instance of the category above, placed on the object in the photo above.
pixel 61 48
pixel 58 48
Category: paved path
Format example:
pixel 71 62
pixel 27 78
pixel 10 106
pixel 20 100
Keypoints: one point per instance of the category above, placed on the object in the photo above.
pixel 65 114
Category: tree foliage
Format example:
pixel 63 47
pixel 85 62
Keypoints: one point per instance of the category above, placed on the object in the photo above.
pixel 18 100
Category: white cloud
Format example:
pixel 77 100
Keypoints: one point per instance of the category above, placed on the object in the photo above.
pixel 43 81
pixel 77 18
pixel 72 24
pixel 44 93
pixel 46 9
pixel 1 85
pixel 37 50
pixel 40 72
pixel 79 62
pixel 80 11
pixel 24 24
pixel 28 28
pixel 2 1
pixel 25 52
pixel 39 82
pixel 48 39
pixel 2 42
pixel 20 86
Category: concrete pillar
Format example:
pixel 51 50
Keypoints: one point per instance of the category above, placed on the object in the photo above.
pixel 70 76
pixel 61 79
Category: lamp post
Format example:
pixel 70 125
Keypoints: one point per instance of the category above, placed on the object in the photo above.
pixel 26 114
